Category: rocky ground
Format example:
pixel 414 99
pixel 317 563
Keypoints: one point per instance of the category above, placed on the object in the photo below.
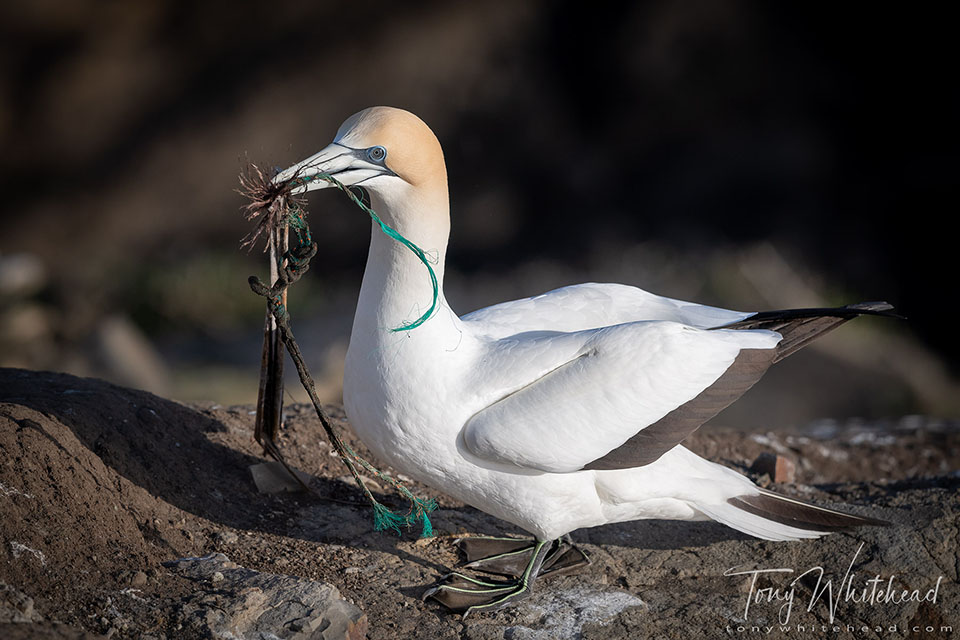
pixel 126 515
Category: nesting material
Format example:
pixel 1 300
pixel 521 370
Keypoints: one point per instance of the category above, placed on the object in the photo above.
pixel 275 211
pixel 270 204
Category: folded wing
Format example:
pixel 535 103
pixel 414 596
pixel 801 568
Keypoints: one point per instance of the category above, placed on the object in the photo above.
pixel 618 382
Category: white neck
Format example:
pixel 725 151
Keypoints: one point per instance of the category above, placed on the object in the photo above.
pixel 397 289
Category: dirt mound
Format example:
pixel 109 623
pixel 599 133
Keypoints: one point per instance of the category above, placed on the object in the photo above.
pixel 101 485
pixel 102 475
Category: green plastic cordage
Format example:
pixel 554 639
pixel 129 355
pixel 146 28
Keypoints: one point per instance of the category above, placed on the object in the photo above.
pixel 393 233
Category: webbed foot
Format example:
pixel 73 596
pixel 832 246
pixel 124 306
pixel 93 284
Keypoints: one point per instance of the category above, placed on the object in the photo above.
pixel 462 593
pixel 510 556
pixel 524 560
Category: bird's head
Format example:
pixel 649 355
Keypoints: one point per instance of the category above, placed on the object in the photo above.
pixel 389 152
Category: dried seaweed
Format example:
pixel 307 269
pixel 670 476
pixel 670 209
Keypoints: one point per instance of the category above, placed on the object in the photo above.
pixel 270 203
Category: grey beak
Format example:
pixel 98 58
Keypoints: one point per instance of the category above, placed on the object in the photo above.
pixel 349 166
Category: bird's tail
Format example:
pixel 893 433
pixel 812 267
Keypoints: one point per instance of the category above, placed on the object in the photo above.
pixel 799 327
pixel 771 516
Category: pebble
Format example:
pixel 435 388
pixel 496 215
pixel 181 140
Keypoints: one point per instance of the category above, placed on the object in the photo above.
pixel 226 537
pixel 779 468
pixel 370 483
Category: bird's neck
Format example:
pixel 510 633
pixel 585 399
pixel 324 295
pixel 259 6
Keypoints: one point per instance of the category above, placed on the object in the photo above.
pixel 397 289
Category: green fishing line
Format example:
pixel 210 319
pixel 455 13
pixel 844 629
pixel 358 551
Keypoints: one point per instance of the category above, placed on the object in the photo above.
pixel 396 235
pixel 383 517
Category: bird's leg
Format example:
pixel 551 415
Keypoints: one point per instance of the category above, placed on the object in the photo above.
pixel 463 593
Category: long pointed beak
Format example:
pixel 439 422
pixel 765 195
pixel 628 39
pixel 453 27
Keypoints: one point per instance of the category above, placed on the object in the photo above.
pixel 347 165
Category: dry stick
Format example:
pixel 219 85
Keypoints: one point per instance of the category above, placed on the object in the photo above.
pixel 270 394
pixel 297 262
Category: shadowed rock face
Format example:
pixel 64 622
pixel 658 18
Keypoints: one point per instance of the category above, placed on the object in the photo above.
pixel 248 603
pixel 101 485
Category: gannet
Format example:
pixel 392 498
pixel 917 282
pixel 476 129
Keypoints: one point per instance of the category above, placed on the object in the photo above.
pixel 556 412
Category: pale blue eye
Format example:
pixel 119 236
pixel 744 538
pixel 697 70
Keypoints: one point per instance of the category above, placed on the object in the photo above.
pixel 377 154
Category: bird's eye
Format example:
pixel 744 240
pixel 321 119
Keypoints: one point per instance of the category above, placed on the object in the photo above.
pixel 377 154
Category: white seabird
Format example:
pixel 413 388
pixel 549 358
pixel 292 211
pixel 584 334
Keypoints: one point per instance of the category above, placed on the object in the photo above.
pixel 556 412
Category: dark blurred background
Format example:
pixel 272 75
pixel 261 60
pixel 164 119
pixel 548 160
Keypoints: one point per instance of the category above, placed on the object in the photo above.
pixel 744 154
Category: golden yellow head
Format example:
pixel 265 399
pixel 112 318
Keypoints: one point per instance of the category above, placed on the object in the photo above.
pixel 412 151
pixel 375 149
pixel 395 156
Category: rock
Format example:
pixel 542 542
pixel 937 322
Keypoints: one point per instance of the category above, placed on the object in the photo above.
pixel 19 620
pixel 15 606
pixel 138 579
pixel 779 468
pixel 247 603
pixel 563 613
pixel 45 631
pixel 369 483
pixel 225 537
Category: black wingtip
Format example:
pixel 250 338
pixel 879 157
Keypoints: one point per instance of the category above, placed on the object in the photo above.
pixel 801 514
pixel 884 309
pixel 849 311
